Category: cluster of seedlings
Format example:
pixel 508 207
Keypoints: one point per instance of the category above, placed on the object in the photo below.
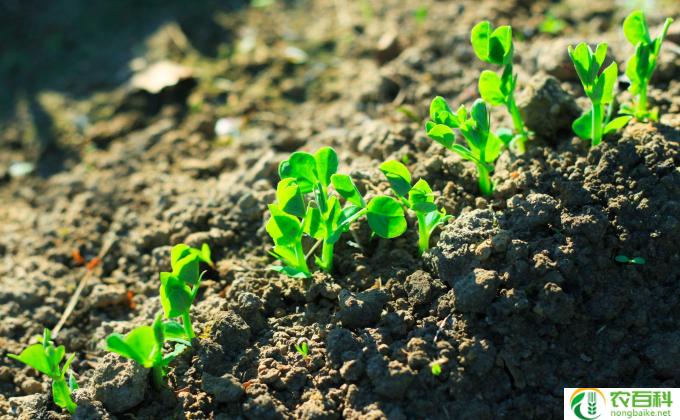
pixel 308 205
pixel 495 46
pixel 315 205
pixel 146 344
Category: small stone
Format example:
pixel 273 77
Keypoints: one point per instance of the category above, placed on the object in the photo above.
pixel 421 288
pixel 225 388
pixel 104 295
pixel 388 48
pixel 554 304
pixel 361 309
pixel 31 386
pixel 120 384
pixel 352 370
pixel 546 107
pixel 231 332
pixel 476 291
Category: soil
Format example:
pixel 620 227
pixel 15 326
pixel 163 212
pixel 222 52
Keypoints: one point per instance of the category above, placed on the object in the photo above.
pixel 519 297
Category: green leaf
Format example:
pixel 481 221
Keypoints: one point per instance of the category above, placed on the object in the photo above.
pixel 61 394
pixel 290 271
pixel 67 365
pixel 479 37
pixel 463 152
pixel 421 197
pixel 582 126
pixel 333 213
pixel 494 146
pixel 609 75
pixel 442 134
pixel 398 176
pixel 302 167
pixel 206 255
pixel 580 56
pixel 175 295
pixel 326 165
pixel 178 252
pixel 490 88
pixel 480 115
pixel 168 358
pixel 600 56
pixel 500 45
pixel 632 70
pixel 437 107
pixel 635 28
pixel 313 224
pixel 659 40
pixel 283 228
pixel 289 197
pixel 139 345
pixel 344 185
pixel 72 383
pixel 639 261
pixel 35 357
pixel 436 218
pixel 386 217
pixel 174 331
pixel 186 269
pixel 616 124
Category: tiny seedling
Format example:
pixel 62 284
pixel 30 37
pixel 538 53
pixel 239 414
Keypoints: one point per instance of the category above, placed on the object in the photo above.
pixel 302 348
pixel 179 288
pixel 642 63
pixel 306 205
pixel 418 198
pixel 552 25
pixel 625 260
pixel 46 358
pixel 599 87
pixel 145 344
pixel 495 46
pixel 436 369
pixel 483 146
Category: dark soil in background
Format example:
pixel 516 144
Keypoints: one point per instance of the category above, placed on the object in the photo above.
pixel 521 291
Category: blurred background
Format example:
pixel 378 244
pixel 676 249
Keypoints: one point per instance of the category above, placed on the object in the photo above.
pixel 76 74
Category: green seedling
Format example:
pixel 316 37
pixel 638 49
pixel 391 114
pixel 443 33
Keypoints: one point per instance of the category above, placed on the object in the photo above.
pixel 420 15
pixel 483 146
pixel 599 87
pixel 625 260
pixel 306 205
pixel 46 358
pixel 179 288
pixel 145 344
pixel 302 348
pixel 418 198
pixel 642 64
pixel 552 25
pixel 436 369
pixel 495 46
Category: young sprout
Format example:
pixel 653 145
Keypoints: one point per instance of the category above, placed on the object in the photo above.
pixel 46 358
pixel 599 87
pixel 483 146
pixel 642 64
pixel 436 369
pixel 306 205
pixel 418 198
pixel 495 46
pixel 624 259
pixel 302 348
pixel 179 288
pixel 552 25
pixel 145 344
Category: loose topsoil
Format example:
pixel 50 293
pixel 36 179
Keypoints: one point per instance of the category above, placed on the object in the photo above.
pixel 519 296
